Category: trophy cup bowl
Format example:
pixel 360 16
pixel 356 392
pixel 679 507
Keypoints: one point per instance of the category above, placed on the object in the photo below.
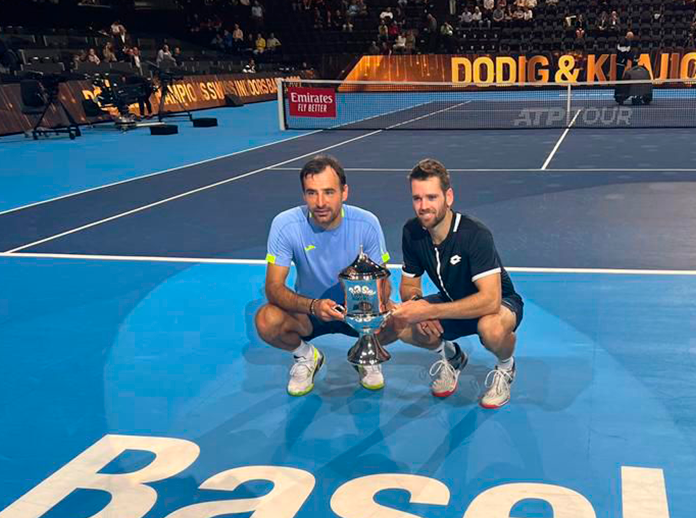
pixel 364 284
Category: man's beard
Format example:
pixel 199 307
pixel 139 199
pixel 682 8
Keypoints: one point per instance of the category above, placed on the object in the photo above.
pixel 437 218
pixel 327 218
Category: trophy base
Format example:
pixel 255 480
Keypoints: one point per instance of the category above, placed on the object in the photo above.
pixel 368 351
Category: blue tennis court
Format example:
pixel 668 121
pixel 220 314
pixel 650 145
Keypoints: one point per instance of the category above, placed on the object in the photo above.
pixel 134 384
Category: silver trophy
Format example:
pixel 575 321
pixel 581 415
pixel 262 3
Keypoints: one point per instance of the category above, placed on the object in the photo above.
pixel 364 284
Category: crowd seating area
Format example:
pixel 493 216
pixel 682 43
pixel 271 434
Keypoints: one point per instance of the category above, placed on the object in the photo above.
pixel 480 26
pixel 83 52
pixel 227 36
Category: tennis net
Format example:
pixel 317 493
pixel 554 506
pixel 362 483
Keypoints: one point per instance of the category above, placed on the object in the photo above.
pixel 367 105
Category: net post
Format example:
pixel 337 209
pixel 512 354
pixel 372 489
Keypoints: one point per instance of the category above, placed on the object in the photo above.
pixel 281 104
pixel 568 106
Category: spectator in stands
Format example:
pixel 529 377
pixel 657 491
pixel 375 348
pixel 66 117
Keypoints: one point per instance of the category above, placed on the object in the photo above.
pixel 227 40
pixel 348 25
pixel 353 10
pixel 477 16
pixel 527 14
pixel 393 30
pixel 581 21
pixel 614 22
pixel 498 16
pixel 218 42
pixel 624 54
pixel 447 37
pixel 272 43
pixel 78 58
pixel 603 21
pixel 250 67
pixel 92 57
pixel 362 8
pixel 551 3
pixel 249 45
pixel 164 57
pixel 237 38
pixel 579 34
pixel 257 14
pixel 402 3
pixel 338 20
pixel 178 57
pixel 411 41
pixel 260 44
pixel 431 30
pixel 386 15
pixel 118 32
pixel 318 19
pixel 382 32
pixel 399 46
pixel 108 53
pixel 373 50
pixel 134 58
pixel 509 18
pixel 489 5
pixel 466 18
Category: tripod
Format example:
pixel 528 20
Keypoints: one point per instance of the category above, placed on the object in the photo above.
pixel 72 129
pixel 165 81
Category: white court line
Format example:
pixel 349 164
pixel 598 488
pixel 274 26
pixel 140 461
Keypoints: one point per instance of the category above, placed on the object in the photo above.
pixel 155 173
pixel 144 207
pixel 427 115
pixel 211 260
pixel 511 170
pixel 558 144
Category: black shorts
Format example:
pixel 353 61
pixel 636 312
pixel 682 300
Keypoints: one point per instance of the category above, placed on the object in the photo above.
pixel 319 328
pixel 454 329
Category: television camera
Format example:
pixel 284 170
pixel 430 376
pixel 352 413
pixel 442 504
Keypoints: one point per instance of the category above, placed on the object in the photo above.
pixel 40 91
pixel 120 91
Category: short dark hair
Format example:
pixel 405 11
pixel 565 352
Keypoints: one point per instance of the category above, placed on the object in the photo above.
pixel 429 168
pixel 320 162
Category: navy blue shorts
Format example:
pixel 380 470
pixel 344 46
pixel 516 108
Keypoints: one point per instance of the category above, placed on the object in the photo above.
pixel 319 328
pixel 454 329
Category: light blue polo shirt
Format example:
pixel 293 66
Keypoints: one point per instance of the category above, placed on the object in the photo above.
pixel 320 255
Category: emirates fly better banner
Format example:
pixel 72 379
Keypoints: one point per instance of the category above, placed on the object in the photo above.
pixel 312 102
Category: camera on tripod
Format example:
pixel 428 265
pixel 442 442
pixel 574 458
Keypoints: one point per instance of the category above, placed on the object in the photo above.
pixel 119 92
pixel 167 76
pixel 39 91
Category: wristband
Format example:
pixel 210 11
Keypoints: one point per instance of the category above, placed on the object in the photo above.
pixel 311 306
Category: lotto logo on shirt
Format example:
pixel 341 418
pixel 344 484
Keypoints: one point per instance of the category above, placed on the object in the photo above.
pixel 312 102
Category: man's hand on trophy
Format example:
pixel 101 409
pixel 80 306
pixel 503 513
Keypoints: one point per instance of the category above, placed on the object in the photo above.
pixel 327 310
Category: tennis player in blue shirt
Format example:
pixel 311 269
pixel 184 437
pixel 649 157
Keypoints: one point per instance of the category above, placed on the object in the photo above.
pixel 321 239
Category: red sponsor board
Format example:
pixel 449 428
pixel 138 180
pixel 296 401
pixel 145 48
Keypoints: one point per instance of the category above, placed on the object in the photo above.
pixel 312 102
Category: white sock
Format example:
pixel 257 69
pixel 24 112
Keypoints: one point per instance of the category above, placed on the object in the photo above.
pixel 446 349
pixel 506 365
pixel 304 352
